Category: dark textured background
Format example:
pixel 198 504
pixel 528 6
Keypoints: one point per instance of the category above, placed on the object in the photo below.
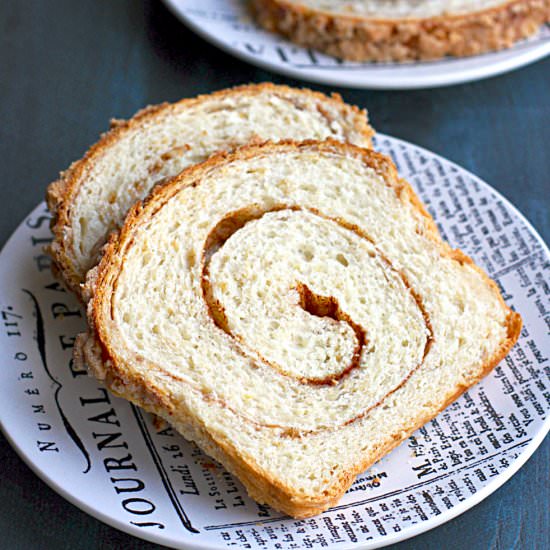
pixel 67 67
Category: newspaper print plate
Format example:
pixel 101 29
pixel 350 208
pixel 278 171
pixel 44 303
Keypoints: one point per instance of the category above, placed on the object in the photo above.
pixel 108 457
pixel 228 25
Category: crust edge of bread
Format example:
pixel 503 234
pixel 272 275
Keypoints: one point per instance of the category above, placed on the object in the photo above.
pixel 357 38
pixel 91 350
pixel 60 193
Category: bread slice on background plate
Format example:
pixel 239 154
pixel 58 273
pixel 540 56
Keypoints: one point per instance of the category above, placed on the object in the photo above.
pixel 293 310
pixel 92 197
pixel 403 30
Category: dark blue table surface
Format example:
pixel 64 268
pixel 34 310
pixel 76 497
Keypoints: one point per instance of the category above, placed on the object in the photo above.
pixel 67 67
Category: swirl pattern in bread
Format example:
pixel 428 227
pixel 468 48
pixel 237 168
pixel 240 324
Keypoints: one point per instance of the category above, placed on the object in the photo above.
pixel 292 309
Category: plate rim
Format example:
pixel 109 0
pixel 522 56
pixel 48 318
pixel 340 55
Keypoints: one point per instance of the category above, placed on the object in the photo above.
pixel 438 80
pixel 419 528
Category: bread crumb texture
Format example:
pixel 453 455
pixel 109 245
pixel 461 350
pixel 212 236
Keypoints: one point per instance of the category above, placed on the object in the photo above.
pixel 291 308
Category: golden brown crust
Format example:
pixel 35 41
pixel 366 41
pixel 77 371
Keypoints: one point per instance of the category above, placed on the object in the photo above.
pixel 359 38
pixel 61 193
pixel 95 350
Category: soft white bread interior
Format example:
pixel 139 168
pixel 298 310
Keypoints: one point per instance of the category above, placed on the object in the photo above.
pixel 92 197
pixel 403 30
pixel 399 9
pixel 292 309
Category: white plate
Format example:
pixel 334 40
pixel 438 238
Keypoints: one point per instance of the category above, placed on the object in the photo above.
pixel 107 457
pixel 228 25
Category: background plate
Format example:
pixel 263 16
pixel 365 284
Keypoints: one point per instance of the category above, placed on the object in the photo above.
pixel 107 457
pixel 228 25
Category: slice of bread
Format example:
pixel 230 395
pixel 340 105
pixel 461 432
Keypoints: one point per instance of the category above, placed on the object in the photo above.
pixel 293 310
pixel 92 197
pixel 403 30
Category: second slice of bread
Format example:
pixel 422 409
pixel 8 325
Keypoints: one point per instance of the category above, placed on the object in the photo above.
pixel 293 310
pixel 92 197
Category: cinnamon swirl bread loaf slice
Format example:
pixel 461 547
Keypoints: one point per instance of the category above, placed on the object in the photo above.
pixel 402 30
pixel 92 197
pixel 293 310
